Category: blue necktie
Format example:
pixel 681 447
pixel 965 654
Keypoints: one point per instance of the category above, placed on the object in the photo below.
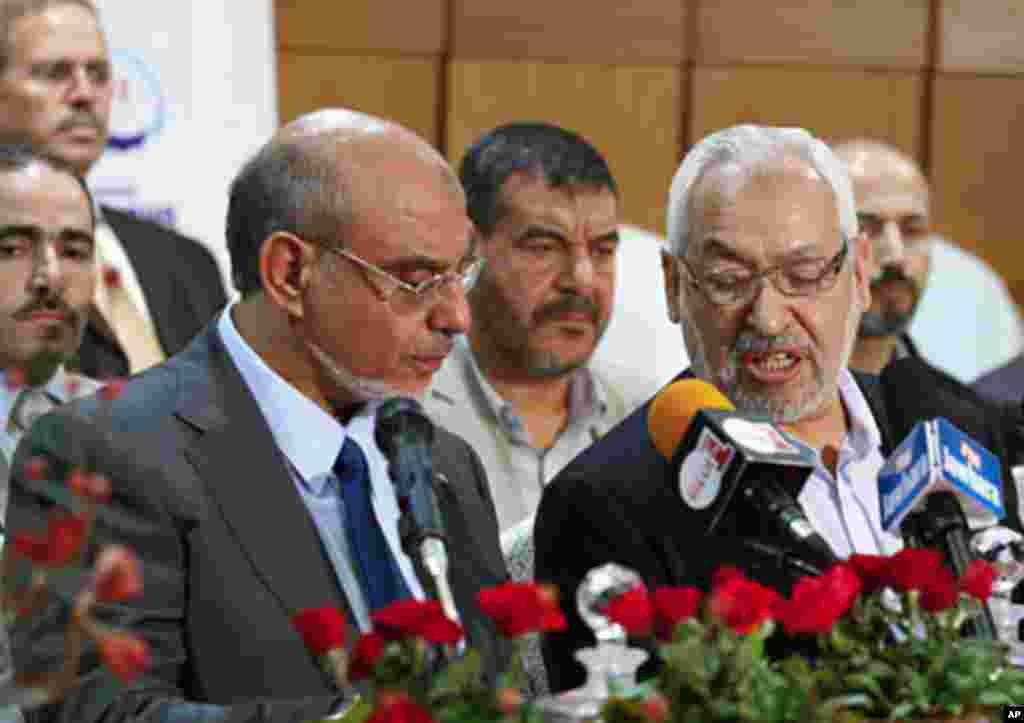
pixel 378 570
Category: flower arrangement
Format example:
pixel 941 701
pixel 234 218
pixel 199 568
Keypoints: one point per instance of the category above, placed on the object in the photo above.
pixel 56 556
pixel 886 634
pixel 40 564
pixel 412 662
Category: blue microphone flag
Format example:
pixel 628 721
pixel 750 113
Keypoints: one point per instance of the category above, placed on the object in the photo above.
pixel 937 456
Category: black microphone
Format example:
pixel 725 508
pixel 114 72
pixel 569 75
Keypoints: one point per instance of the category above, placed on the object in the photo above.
pixel 404 433
pixel 737 472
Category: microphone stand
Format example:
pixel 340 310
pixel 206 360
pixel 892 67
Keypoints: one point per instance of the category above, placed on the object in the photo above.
pixel 429 554
pixel 941 524
pixel 782 558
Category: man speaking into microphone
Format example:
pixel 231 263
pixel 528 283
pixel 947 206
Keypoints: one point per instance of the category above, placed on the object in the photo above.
pixel 766 273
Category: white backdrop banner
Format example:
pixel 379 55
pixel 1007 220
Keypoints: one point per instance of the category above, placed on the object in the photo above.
pixel 194 96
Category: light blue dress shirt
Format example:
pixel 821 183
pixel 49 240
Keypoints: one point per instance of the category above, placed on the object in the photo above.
pixel 310 440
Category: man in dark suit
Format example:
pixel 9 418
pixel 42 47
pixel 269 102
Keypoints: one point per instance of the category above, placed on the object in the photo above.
pixel 767 275
pixel 155 288
pixel 240 465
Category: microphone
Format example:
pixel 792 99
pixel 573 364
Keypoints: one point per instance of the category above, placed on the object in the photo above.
pixel 926 484
pixel 735 470
pixel 404 433
pixel 938 457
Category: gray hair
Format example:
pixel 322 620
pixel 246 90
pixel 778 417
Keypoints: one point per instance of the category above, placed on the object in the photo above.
pixel 755 148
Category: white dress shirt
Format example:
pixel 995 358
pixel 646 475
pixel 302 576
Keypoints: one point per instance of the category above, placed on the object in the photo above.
pixel 845 509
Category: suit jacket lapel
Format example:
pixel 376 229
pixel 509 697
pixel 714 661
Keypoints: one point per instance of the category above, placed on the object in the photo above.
pixel 871 387
pixel 248 479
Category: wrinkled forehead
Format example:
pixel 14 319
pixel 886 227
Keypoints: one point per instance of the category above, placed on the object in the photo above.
pixel 892 195
pixel 786 203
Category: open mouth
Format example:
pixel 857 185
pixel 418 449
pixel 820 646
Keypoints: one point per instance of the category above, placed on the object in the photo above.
pixel 772 367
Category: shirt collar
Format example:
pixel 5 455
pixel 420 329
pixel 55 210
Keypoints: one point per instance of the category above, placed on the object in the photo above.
pixel 56 388
pixel 306 434
pixel 863 435
pixel 587 397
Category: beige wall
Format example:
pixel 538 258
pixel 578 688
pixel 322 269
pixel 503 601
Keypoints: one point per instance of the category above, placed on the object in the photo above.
pixel 942 79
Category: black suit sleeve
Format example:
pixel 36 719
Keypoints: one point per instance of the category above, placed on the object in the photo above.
pixel 474 550
pixel 143 516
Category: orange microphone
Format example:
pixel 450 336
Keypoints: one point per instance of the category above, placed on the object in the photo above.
pixel 738 474
pixel 674 409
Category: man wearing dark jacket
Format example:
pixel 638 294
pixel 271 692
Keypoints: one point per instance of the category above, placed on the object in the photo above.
pixel 768 276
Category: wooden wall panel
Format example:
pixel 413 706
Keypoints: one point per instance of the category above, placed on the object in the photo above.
pixel 982 36
pixel 400 89
pixel 392 26
pixel 977 156
pixel 637 32
pixel 630 114
pixel 833 104
pixel 883 33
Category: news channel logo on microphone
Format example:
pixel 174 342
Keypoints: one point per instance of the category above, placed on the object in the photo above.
pixel 703 469
pixel 938 456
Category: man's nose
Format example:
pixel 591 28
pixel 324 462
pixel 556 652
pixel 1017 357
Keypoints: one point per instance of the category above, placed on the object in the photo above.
pixel 769 311
pixel 85 89
pixel 579 273
pixel 890 245
pixel 47 269
pixel 450 313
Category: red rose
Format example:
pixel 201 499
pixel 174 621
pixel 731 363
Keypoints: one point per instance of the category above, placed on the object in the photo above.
pixel 35 469
pixel 118 576
pixel 112 389
pixel 65 533
pixel 816 603
pixel 725 573
pixel 632 610
pixel 912 568
pixel 93 486
pixel 673 605
pixel 322 629
pixel 32 546
pixel 940 592
pixel 518 608
pixel 399 709
pixel 368 648
pixel 126 655
pixel 872 570
pixel 416 618
pixel 509 700
pixel 655 708
pixel 742 604
pixel 978 578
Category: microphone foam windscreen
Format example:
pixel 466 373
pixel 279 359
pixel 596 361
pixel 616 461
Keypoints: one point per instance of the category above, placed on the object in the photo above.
pixel 672 411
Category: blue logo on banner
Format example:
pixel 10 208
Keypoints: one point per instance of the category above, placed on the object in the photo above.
pixel 139 109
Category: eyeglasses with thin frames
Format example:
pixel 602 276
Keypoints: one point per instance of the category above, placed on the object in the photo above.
pixel 389 287
pixel 799 278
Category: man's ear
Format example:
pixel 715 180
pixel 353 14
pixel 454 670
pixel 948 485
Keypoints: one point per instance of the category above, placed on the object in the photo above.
pixel 673 286
pixel 286 262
